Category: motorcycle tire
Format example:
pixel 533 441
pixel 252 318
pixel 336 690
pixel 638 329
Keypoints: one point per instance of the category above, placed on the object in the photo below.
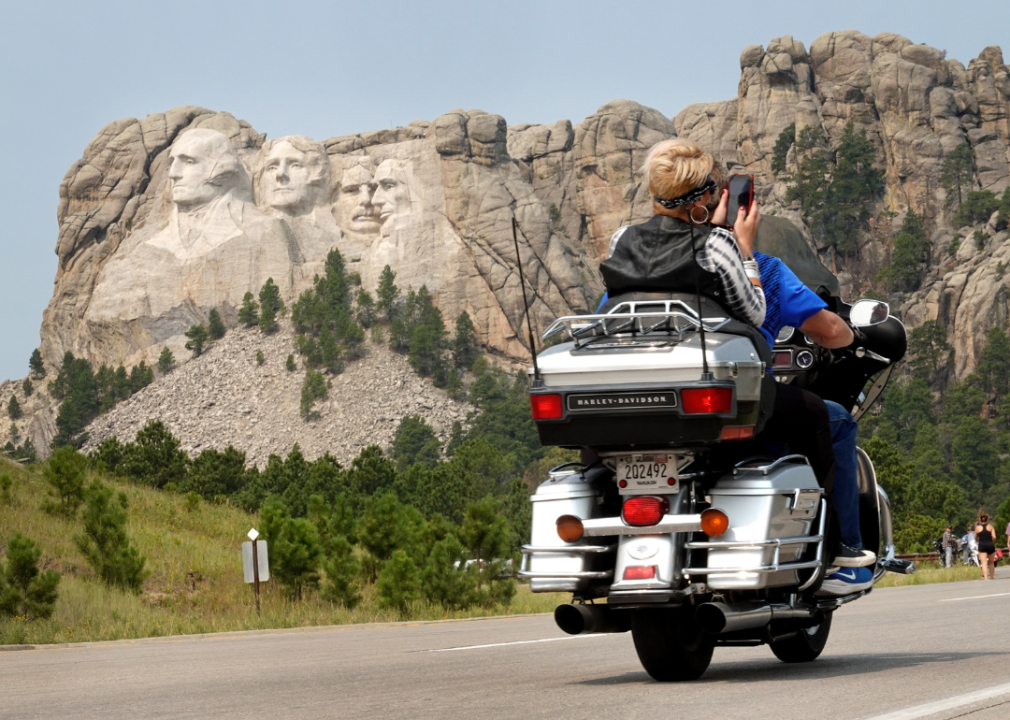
pixel 806 645
pixel 670 644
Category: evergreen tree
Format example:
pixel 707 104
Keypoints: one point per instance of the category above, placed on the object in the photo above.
pixel 140 377
pixel 154 458
pixel 261 358
pixel 994 365
pixel 342 570
pixel 314 388
pixel 14 408
pixel 387 293
pixel 456 438
pixel 166 361
pixel 197 335
pixel 446 579
pixel 66 472
pixel 105 543
pixel 428 338
pixel 929 348
pixel 399 583
pixel 415 442
pixel 290 363
pixel 909 257
pixel 76 387
pixel 248 314
pixel 27 387
pixel 25 591
pixel 366 309
pixel 464 345
pixel 271 306
pixel 386 526
pixel 6 489
pixel 369 474
pixel 215 326
pixel 488 537
pixel 214 473
pixel 782 145
pixel 977 207
pixel 956 174
pixel 36 366
pixel 295 556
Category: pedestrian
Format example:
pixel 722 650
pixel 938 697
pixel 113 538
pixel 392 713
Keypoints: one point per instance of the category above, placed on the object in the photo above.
pixel 948 546
pixel 966 541
pixel 986 535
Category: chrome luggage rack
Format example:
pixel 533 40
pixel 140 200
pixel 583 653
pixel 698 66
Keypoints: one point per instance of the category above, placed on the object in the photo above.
pixel 675 317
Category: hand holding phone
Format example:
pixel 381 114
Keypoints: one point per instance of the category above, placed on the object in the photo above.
pixel 741 195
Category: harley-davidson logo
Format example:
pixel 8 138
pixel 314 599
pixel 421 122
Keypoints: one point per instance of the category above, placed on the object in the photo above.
pixel 657 399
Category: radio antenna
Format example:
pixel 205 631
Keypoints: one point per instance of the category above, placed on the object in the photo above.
pixel 706 376
pixel 537 380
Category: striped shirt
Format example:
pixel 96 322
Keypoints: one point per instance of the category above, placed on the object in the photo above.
pixel 721 255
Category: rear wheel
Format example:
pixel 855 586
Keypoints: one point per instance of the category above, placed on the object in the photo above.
pixel 805 645
pixel 670 644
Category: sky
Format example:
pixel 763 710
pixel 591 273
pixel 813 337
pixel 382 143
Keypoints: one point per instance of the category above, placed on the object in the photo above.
pixel 330 68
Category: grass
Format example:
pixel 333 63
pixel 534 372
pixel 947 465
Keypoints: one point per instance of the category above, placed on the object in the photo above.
pixel 927 573
pixel 195 585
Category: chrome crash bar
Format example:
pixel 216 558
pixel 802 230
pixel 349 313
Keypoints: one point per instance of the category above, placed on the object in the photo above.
pixel 674 317
pixel 528 550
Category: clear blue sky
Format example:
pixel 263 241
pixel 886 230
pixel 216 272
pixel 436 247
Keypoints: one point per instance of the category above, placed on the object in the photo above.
pixel 330 68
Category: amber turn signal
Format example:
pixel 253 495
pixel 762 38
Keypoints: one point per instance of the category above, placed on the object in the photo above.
pixel 570 528
pixel 714 522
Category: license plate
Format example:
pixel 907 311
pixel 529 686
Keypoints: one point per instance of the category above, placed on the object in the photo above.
pixel 647 473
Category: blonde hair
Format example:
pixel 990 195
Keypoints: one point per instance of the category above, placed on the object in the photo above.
pixel 675 167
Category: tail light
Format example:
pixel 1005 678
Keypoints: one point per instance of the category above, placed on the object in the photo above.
pixel 714 522
pixel 546 407
pixel 737 432
pixel 707 400
pixel 570 528
pixel 640 572
pixel 644 510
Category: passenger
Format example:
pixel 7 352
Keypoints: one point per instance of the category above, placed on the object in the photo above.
pixel 657 255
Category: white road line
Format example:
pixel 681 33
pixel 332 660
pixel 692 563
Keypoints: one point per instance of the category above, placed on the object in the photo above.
pixel 939 706
pixel 522 642
pixel 975 597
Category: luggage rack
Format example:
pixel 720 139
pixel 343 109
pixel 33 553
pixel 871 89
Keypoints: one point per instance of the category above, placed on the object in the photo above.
pixel 675 317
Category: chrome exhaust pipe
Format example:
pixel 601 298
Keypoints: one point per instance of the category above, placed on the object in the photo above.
pixel 717 617
pixel 579 619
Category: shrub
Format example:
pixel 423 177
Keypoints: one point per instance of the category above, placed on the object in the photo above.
pixel 25 591
pixel 980 239
pixel 104 541
pixel 399 583
pixel 6 489
pixel 261 358
pixel 192 502
pixel 290 363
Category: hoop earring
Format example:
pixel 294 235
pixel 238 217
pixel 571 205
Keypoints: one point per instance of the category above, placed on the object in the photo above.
pixel 690 214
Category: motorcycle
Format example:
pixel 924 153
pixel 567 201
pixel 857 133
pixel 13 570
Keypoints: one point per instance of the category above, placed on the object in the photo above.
pixel 676 525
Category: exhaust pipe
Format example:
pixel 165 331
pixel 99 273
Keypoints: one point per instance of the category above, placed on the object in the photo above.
pixel 717 617
pixel 579 619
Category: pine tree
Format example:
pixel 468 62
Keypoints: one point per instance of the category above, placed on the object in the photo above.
pixel 261 358
pixel 6 489
pixel 66 472
pixel 782 145
pixel 487 535
pixel 248 314
pixel 399 583
pixel 140 377
pixel 366 309
pixel 35 364
pixel 271 306
pixel 314 388
pixel 197 335
pixel 464 345
pixel 387 293
pixel 415 442
pixel 27 387
pixel 105 543
pixel 446 579
pixel 386 526
pixel 166 361
pixel 215 327
pixel 25 591
pixel 342 571
pixel 290 363
pixel 14 408
pixel 956 174
pixel 295 556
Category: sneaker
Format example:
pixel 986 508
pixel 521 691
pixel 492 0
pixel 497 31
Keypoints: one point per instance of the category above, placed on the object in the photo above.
pixel 845 581
pixel 849 556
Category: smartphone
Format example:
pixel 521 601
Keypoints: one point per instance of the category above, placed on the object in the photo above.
pixel 741 195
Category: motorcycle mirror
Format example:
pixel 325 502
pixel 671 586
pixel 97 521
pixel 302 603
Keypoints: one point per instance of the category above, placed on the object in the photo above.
pixel 868 312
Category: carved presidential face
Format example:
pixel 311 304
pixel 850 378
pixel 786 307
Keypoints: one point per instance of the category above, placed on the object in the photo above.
pixel 285 183
pixel 203 166
pixel 354 209
pixel 392 196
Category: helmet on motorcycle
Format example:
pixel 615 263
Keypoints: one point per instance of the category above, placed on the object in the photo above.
pixel 887 338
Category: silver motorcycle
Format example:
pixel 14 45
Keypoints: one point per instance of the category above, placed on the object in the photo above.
pixel 676 525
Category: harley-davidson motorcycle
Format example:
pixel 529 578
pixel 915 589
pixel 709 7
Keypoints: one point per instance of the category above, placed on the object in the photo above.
pixel 677 525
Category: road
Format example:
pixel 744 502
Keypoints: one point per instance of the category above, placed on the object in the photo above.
pixel 889 654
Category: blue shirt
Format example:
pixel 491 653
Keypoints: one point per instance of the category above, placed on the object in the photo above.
pixel 787 300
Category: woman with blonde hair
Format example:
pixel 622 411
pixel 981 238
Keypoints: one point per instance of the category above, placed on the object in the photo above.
pixel 985 535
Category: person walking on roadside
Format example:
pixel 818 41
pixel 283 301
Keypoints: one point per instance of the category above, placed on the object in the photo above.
pixel 986 537
pixel 948 546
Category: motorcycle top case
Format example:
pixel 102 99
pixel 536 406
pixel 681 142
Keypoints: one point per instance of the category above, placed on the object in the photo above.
pixel 633 395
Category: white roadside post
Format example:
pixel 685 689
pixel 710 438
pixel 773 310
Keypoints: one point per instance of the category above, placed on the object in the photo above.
pixel 255 564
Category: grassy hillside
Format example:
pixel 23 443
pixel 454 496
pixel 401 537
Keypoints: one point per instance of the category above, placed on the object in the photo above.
pixel 195 583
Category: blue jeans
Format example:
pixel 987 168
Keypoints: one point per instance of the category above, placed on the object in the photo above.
pixel 843 438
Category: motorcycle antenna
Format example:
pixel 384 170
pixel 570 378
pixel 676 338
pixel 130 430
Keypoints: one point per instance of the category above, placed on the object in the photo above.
pixel 537 380
pixel 706 376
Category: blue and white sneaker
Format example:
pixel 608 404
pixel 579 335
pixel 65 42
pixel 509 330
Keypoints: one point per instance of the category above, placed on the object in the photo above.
pixel 845 581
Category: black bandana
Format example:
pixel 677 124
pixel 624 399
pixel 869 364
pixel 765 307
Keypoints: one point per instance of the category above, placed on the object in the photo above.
pixel 687 198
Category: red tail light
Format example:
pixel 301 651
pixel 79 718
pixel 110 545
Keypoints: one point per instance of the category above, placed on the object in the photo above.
pixel 640 572
pixel 707 400
pixel 737 432
pixel 645 510
pixel 546 407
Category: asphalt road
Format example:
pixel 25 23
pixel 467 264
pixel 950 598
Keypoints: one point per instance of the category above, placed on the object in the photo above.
pixel 889 654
